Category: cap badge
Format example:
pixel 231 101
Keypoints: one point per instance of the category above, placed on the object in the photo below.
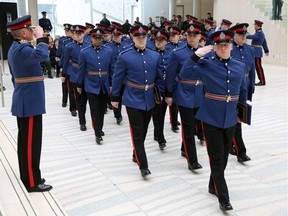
pixel 222 36
pixel 140 30
pixel 152 29
pixel 66 26
pixel 191 28
pixel 244 28
pixel 171 29
pixel 98 32
pixel 115 30
pixel 77 28
pixel 159 34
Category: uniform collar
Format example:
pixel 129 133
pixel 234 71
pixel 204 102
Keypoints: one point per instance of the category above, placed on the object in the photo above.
pixel 237 45
pixel 97 48
pixel 116 43
pixel 223 60
pixel 160 51
pixel 194 49
pixel 78 43
pixel 139 50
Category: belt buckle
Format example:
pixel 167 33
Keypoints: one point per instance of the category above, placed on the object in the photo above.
pixel 146 87
pixel 197 82
pixel 228 98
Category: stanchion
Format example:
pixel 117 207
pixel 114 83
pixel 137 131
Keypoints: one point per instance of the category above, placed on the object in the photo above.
pixel 1 75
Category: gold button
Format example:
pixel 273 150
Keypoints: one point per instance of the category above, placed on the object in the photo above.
pixel 228 72
pixel 228 81
pixel 228 90
pixel 144 62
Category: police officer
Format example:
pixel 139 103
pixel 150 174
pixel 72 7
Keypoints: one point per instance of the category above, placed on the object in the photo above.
pixel 70 66
pixel 259 41
pixel 45 23
pixel 117 46
pixel 162 38
pixel 244 53
pixel 224 85
pixel 28 101
pixel 139 69
pixel 225 25
pixel 188 96
pixel 93 77
pixel 60 54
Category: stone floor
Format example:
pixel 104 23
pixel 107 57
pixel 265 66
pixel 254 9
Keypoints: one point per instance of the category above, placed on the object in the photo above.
pixel 91 179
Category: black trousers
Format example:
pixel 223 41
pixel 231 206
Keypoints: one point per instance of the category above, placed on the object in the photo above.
pixel 72 96
pixel 173 114
pixel 65 86
pixel 218 143
pixel 158 117
pixel 260 71
pixel 277 8
pixel 29 149
pixel 188 133
pixel 97 105
pixel 81 103
pixel 118 111
pixel 198 126
pixel 139 121
pixel 238 140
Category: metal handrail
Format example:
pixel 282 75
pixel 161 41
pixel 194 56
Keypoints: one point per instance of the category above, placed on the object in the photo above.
pixel 1 75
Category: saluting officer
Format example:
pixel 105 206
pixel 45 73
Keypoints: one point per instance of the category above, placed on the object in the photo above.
pixel 162 38
pixel 224 85
pixel 244 53
pixel 259 41
pixel 188 96
pixel 28 101
pixel 139 69
pixel 117 46
pixel 95 68
pixel 70 66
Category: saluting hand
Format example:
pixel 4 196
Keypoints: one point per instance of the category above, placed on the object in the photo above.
pixel 204 50
pixel 38 32
pixel 115 104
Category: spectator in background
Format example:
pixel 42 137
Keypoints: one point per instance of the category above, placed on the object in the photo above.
pixel 105 21
pixel 126 27
pixel 209 16
pixel 174 20
pixel 179 23
pixel 55 60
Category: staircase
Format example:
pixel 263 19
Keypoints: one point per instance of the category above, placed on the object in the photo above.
pixel 266 7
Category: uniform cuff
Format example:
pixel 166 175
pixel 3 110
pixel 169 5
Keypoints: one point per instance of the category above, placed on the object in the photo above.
pixel 43 40
pixel 195 58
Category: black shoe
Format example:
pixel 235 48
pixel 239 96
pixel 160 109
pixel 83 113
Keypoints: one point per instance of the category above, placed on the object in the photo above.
pixel 98 140
pixel 64 104
pixel 162 144
pixel 243 158
pixel 40 188
pixel 102 133
pixel 174 128
pixel 225 206
pixel 183 154
pixel 194 166
pixel 43 180
pixel 119 120
pixel 178 123
pixel 134 159
pixel 145 172
pixel 73 113
pixel 212 191
pixel 83 127
pixel 50 77
pixel 259 84
pixel 233 151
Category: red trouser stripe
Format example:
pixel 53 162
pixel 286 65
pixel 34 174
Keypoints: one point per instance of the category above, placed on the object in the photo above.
pixel 29 151
pixel 184 143
pixel 260 70
pixel 235 145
